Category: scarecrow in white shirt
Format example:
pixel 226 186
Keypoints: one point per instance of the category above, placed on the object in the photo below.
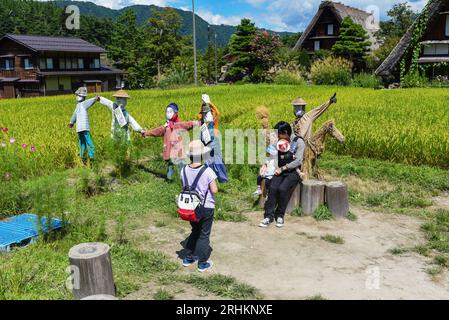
pixel 121 119
pixel 81 118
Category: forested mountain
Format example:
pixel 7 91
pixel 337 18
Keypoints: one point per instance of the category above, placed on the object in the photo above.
pixel 144 12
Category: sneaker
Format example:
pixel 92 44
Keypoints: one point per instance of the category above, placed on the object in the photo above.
pixel 204 266
pixel 265 223
pixel 258 192
pixel 280 222
pixel 187 262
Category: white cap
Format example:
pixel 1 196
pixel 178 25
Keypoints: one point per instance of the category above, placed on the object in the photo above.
pixel 205 98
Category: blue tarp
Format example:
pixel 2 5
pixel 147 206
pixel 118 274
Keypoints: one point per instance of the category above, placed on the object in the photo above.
pixel 23 229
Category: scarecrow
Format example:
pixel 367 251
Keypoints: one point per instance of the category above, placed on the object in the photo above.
pixel 173 152
pixel 302 126
pixel 81 118
pixel 121 119
pixel 209 118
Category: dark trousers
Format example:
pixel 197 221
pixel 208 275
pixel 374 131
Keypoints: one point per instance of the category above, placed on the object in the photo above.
pixel 279 194
pixel 198 243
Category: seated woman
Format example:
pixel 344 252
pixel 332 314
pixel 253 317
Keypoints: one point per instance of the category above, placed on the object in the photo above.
pixel 287 175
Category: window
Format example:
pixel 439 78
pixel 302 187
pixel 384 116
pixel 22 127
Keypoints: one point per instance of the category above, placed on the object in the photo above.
pixel 62 64
pixel 438 49
pixel 74 63
pixel 27 64
pixel 8 64
pixel 97 63
pixel 316 45
pixel 49 63
pixel 42 64
pixel 330 29
pixel 80 63
pixel 68 64
pixel 447 25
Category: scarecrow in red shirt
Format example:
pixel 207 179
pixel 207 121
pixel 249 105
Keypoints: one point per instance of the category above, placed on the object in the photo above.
pixel 173 152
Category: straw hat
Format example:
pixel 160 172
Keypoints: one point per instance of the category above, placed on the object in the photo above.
pixel 121 94
pixel 82 92
pixel 299 102
pixel 197 149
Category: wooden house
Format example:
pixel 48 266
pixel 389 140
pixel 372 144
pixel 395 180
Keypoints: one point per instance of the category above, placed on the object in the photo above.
pixel 425 44
pixel 324 29
pixel 40 66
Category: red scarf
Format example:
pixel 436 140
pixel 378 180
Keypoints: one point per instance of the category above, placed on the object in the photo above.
pixel 171 123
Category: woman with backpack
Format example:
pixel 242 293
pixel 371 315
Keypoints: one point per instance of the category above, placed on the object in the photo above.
pixel 196 204
pixel 287 175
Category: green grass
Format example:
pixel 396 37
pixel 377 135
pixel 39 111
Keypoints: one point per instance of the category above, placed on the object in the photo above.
pixel 333 239
pixel 162 294
pixel 351 216
pixel 316 297
pixel 323 213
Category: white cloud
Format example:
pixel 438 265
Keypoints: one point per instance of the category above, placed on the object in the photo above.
pixel 118 4
pixel 218 19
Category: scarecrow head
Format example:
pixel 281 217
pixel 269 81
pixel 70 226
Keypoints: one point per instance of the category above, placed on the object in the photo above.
pixel 171 112
pixel 206 110
pixel 299 108
pixel 81 94
pixel 121 98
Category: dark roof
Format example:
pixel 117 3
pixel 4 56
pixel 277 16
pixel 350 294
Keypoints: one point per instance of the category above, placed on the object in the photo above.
pixel 341 11
pixel 9 79
pixel 432 8
pixel 63 44
pixel 103 71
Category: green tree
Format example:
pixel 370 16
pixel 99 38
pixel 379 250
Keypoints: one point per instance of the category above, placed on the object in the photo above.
pixel 163 43
pixel 240 47
pixel 401 18
pixel 352 43
pixel 264 48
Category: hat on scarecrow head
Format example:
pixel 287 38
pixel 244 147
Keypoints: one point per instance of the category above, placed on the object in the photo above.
pixel 173 106
pixel 299 102
pixel 82 92
pixel 121 94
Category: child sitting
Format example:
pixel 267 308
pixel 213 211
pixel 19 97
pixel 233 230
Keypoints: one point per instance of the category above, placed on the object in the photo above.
pixel 267 170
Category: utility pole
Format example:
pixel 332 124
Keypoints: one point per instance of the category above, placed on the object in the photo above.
pixel 209 52
pixel 216 60
pixel 194 44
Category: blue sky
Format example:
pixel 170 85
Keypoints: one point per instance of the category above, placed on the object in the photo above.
pixel 278 15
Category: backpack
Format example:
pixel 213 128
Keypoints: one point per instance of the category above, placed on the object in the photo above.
pixel 189 200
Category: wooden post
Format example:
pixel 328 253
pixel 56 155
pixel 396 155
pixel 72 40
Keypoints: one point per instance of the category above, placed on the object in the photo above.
pixel 263 196
pixel 92 270
pixel 337 198
pixel 312 195
pixel 295 199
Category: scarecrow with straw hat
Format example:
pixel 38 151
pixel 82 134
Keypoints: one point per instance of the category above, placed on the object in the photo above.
pixel 81 118
pixel 173 152
pixel 304 121
pixel 121 119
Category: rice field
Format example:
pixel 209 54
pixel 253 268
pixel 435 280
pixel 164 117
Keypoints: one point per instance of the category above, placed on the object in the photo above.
pixel 406 126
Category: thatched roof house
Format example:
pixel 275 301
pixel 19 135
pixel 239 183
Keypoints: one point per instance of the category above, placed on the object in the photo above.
pixel 324 29
pixel 429 33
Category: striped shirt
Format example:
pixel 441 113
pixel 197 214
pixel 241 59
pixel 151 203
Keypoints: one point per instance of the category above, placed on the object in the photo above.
pixel 81 117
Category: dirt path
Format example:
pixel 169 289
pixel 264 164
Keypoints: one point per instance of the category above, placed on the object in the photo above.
pixel 295 263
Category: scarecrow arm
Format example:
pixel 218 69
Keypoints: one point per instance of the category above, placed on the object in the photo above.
pixel 136 127
pixel 88 103
pixel 107 103
pixel 186 125
pixel 157 132
pixel 317 112
pixel 73 119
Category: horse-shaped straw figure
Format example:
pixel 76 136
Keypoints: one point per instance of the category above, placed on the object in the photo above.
pixel 315 147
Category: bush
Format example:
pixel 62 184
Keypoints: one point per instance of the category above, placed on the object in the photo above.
pixel 176 79
pixel 366 80
pixel 414 80
pixel 289 77
pixel 331 70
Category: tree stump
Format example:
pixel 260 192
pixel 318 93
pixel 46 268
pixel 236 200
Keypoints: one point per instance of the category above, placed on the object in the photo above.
pixel 312 195
pixel 263 196
pixel 295 199
pixel 100 297
pixel 92 270
pixel 337 198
